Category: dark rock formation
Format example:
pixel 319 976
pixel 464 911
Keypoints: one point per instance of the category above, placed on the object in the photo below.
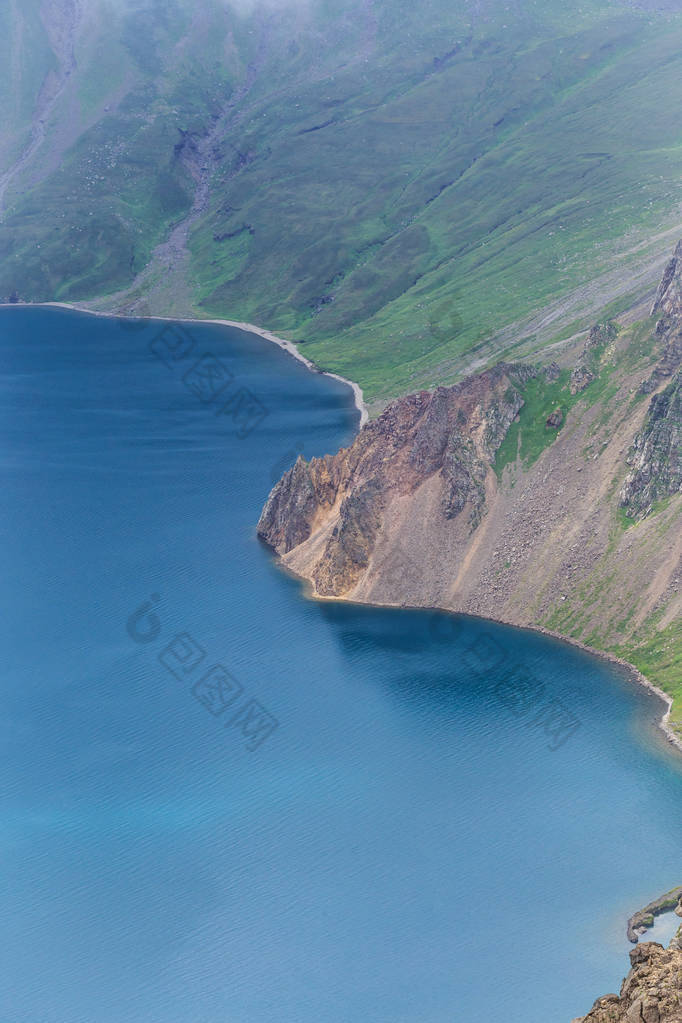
pixel 656 455
pixel 668 307
pixel 555 419
pixel 668 301
pixel 581 377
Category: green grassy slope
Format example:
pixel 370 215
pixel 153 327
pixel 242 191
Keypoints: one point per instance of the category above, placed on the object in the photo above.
pixel 444 202
pixel 396 183
pixel 87 225
pixel 26 58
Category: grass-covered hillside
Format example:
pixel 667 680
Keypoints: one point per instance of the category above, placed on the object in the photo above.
pixel 400 187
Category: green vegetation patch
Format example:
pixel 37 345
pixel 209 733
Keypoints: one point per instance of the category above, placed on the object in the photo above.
pixel 529 434
pixel 659 658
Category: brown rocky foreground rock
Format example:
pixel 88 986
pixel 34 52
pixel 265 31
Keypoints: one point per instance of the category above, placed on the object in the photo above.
pixel 651 992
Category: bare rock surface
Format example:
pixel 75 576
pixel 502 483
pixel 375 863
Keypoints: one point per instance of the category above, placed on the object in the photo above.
pixel 656 454
pixel 432 446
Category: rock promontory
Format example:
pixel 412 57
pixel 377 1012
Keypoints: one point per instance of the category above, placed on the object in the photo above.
pixel 544 496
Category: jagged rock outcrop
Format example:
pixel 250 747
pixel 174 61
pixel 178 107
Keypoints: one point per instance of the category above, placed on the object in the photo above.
pixel 668 301
pixel 656 454
pixel 651 992
pixel 668 307
pixel 446 438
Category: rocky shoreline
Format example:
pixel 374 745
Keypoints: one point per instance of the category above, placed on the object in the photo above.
pixel 292 350
pixel 633 674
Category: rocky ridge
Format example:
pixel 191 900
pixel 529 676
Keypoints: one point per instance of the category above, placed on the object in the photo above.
pixel 640 922
pixel 668 307
pixel 656 454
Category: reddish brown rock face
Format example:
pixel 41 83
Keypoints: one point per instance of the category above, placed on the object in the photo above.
pixel 449 436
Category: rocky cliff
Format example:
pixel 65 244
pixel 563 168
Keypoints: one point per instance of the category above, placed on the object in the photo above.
pixel 443 442
pixel 668 307
pixel 656 455
pixel 546 497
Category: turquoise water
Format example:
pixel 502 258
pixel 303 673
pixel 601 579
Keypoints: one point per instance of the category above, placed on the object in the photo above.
pixel 404 846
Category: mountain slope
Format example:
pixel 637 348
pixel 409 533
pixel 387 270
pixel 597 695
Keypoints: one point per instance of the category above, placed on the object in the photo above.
pixel 542 497
pixel 401 189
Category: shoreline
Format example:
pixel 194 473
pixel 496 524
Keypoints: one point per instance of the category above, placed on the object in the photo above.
pixel 290 347
pixel 633 673
pixel 250 328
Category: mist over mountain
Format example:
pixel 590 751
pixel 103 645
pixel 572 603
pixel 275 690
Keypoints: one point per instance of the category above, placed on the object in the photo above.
pixel 395 186
pixel 471 210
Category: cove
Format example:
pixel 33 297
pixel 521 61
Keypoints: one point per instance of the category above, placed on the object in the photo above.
pixel 402 846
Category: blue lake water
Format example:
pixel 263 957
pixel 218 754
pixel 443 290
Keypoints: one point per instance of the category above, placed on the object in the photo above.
pixel 404 847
